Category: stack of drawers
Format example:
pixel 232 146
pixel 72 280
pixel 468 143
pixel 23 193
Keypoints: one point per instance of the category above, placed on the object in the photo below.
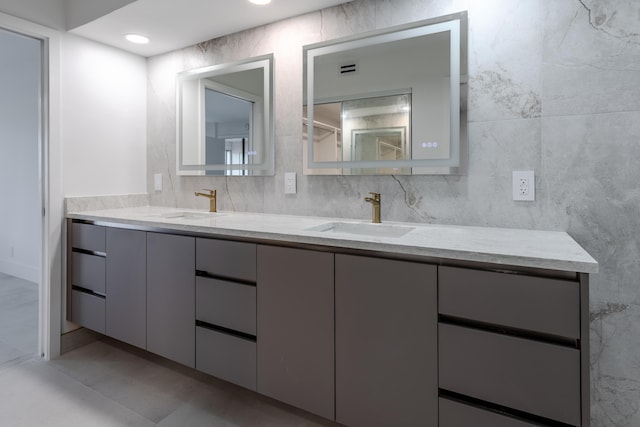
pixel 509 350
pixel 226 310
pixel 88 278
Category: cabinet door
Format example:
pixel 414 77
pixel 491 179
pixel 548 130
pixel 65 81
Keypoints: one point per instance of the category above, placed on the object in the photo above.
pixel 171 297
pixel 386 335
pixel 295 328
pixel 126 277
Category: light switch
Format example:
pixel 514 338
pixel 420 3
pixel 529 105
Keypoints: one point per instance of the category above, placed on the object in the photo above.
pixel 289 183
pixel 157 182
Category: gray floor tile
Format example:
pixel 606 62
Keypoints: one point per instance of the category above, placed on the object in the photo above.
pixel 35 394
pixel 224 409
pixel 142 385
pixel 10 356
pixel 172 395
pixel 18 315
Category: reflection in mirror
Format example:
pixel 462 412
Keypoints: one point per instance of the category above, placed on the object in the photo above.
pixel 225 119
pixel 390 102
pixel 371 129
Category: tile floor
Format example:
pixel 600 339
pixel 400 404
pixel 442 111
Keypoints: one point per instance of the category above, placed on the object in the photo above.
pixel 107 383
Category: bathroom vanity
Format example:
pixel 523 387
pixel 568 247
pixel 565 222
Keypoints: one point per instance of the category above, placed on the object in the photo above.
pixel 364 324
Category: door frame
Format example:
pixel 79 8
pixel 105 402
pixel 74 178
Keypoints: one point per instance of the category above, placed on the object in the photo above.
pixel 49 159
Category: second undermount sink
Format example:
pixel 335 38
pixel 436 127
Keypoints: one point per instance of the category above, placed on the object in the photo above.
pixel 363 229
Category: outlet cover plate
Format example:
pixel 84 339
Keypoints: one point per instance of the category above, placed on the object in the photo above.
pixel 524 186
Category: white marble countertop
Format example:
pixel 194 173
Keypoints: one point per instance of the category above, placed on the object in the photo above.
pixel 523 248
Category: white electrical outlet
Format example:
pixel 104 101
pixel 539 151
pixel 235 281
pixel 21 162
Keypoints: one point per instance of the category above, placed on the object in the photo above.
pixel 289 183
pixel 524 186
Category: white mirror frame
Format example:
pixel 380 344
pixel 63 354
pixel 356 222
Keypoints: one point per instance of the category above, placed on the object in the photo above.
pixel 450 23
pixel 266 165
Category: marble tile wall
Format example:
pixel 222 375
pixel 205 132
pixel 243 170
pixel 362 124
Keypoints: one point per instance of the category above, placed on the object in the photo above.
pixel 89 203
pixel 554 87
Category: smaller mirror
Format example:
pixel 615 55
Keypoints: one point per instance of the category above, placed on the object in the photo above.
pixel 225 119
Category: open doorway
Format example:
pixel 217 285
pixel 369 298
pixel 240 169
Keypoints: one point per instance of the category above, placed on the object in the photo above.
pixel 21 201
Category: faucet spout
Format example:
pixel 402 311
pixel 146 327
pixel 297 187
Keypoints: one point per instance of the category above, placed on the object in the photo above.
pixel 375 207
pixel 211 195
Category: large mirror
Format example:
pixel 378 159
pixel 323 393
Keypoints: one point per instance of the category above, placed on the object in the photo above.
pixel 225 119
pixel 388 102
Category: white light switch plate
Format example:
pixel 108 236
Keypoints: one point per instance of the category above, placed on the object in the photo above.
pixel 524 186
pixel 157 182
pixel 289 183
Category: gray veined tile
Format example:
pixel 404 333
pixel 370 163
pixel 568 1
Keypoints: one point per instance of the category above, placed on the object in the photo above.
pixel 505 57
pixel 591 56
pixel 615 391
pixel 590 166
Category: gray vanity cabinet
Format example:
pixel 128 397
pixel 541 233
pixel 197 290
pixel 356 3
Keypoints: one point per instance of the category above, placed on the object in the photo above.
pixel 344 334
pixel 386 329
pixel 296 327
pixel 86 282
pixel 171 297
pixel 126 303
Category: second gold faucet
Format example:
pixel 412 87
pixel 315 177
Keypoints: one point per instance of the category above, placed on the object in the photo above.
pixel 211 195
pixel 375 207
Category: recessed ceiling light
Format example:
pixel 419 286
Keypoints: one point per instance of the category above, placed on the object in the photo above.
pixel 137 38
pixel 260 1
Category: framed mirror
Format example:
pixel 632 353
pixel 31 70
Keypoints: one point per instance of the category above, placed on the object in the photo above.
pixel 388 102
pixel 225 123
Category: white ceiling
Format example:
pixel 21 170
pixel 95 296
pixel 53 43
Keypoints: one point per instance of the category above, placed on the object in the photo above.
pixel 174 24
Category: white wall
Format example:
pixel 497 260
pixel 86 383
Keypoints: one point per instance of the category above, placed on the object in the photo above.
pixel 20 215
pixel 103 119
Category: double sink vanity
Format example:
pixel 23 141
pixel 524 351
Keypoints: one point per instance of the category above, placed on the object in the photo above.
pixel 365 324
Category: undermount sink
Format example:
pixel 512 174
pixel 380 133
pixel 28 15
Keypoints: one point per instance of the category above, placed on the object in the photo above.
pixel 363 229
pixel 188 215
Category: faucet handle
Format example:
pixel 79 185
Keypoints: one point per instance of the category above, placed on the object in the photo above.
pixel 376 196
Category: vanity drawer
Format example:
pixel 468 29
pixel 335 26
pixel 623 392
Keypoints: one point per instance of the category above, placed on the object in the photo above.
pixel 88 237
pixel 88 271
pixel 531 376
pixel 88 310
pixel 456 414
pixel 549 306
pixel 227 357
pixel 227 304
pixel 234 260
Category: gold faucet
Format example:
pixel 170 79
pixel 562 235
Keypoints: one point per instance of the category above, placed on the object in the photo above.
pixel 375 207
pixel 212 199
